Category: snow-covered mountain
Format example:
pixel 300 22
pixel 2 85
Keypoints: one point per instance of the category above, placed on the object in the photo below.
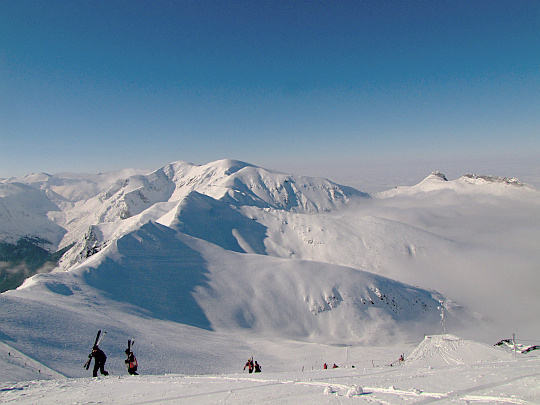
pixel 468 183
pixel 230 252
pixel 35 205
pixel 23 213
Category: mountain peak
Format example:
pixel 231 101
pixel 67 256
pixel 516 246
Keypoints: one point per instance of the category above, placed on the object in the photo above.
pixel 437 175
pixel 230 166
pixel 483 179
pixel 35 177
pixel 435 179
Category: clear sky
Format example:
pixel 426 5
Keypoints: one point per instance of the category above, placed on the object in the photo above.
pixel 93 86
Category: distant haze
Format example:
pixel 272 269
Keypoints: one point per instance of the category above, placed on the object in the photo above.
pixel 373 175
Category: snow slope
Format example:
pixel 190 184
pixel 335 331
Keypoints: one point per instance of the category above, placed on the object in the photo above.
pixel 207 265
pixel 23 214
pixel 441 350
pixel 16 366
pixel 500 381
pixel 154 278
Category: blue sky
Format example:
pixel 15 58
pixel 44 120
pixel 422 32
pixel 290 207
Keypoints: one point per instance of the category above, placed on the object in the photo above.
pixel 92 86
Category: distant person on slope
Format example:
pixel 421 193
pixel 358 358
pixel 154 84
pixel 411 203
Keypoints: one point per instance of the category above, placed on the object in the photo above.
pixel 249 365
pixel 131 362
pixel 257 367
pixel 99 360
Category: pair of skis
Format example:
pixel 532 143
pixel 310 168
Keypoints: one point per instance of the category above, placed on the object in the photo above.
pixel 99 338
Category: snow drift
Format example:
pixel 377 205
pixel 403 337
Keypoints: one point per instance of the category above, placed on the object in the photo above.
pixel 441 350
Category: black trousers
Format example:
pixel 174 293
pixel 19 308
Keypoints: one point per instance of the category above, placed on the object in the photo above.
pixel 100 367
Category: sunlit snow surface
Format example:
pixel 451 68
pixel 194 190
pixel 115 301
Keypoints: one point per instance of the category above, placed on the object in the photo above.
pixel 206 266
pixel 499 378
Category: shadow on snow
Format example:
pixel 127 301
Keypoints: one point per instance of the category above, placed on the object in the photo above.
pixel 157 272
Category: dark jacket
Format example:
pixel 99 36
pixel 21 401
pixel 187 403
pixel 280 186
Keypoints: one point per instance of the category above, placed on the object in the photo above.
pixel 99 355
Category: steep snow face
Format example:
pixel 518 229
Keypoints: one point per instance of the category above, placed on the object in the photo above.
pixel 132 196
pixel 166 275
pixel 227 182
pixel 304 300
pixel 23 214
pixel 123 199
pixel 258 187
pixel 217 222
pixel 154 270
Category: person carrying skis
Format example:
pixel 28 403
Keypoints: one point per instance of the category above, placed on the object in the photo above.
pixel 131 362
pixel 99 360
pixel 249 365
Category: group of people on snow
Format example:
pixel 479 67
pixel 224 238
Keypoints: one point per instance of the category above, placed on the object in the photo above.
pixel 131 361
pixel 100 358
pixel 252 366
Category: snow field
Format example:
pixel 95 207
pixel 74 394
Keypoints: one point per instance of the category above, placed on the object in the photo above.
pixel 514 381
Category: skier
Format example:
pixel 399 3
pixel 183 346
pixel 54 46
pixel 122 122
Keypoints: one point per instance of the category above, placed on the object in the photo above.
pixel 325 366
pixel 249 365
pixel 131 362
pixel 99 360
pixel 335 366
pixel 257 367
